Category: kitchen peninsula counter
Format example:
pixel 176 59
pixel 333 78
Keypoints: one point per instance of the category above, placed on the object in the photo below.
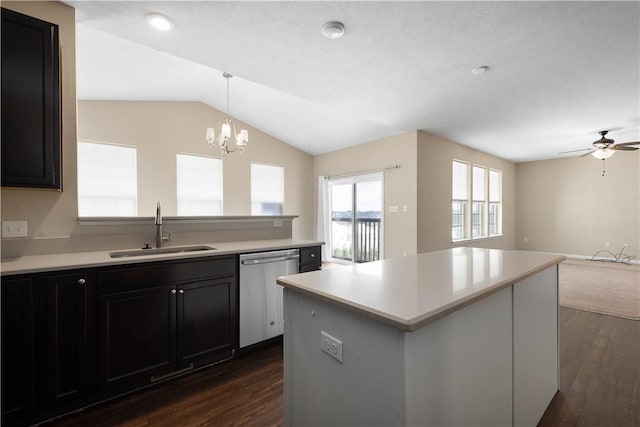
pixel 465 336
pixel 73 260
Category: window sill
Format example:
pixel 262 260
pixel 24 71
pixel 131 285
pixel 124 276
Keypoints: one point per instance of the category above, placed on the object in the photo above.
pixel 181 219
pixel 476 239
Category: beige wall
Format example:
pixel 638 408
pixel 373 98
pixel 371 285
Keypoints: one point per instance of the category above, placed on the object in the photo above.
pixel 399 184
pixel 159 130
pixel 434 156
pixel 51 213
pixel 566 205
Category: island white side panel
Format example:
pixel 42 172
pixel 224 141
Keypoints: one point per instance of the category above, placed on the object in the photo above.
pixel 535 345
pixel 459 368
pixel 365 389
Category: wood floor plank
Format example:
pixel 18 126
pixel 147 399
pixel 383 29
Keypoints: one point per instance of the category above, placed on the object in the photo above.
pixel 599 385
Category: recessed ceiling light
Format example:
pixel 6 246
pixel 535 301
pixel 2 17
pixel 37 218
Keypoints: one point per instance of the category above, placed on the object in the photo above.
pixel 480 70
pixel 333 30
pixel 159 22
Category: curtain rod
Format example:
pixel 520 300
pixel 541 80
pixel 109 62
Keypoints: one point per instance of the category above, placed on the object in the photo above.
pixel 344 175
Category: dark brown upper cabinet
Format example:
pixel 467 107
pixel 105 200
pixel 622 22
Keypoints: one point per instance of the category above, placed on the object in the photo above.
pixel 31 129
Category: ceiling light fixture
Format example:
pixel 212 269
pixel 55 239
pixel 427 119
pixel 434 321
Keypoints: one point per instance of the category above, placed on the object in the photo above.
pixel 480 70
pixel 239 140
pixel 159 22
pixel 333 30
pixel 603 153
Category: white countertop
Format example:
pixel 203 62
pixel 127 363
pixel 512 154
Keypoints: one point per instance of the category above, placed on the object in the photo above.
pixel 410 292
pixel 67 261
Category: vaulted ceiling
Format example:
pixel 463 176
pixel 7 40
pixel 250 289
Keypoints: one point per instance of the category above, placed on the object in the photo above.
pixel 558 71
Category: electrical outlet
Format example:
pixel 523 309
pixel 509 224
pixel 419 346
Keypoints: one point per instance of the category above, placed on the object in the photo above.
pixel 607 244
pixel 330 345
pixel 404 208
pixel 277 223
pixel 393 208
pixel 14 228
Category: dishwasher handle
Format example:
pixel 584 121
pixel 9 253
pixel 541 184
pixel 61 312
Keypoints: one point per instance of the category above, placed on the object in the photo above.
pixel 268 260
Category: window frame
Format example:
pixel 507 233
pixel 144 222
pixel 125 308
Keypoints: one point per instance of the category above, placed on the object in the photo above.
pixel 465 203
pixel 497 204
pixel 470 203
pixel 221 180
pixel 134 185
pixel 251 201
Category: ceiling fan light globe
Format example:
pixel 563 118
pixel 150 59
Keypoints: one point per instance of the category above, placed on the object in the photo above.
pixel 602 153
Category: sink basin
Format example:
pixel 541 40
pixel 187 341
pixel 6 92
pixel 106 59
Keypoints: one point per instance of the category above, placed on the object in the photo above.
pixel 158 251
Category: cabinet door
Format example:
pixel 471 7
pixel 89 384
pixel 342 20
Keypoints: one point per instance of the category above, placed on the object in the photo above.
pixel 310 258
pixel 137 332
pixel 17 348
pixel 66 338
pixel 207 321
pixel 30 102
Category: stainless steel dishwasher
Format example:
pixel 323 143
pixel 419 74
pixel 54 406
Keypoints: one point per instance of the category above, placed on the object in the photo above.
pixel 260 297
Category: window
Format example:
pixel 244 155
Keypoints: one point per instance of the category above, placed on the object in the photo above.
pixel 267 189
pixel 476 210
pixel 107 180
pixel 477 203
pixel 460 195
pixel 199 185
pixel 495 191
pixel 356 218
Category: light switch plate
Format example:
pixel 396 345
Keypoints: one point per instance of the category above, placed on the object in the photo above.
pixel 14 228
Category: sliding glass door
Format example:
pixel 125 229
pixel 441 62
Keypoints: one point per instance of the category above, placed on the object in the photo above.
pixel 356 218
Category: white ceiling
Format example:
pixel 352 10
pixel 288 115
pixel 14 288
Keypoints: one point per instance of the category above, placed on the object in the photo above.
pixel 559 71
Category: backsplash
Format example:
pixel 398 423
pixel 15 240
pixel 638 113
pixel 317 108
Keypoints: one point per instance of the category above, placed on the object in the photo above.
pixel 114 234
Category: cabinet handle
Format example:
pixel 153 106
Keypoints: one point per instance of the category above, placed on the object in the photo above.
pixel 181 291
pixel 173 291
pixel 313 255
pixel 81 281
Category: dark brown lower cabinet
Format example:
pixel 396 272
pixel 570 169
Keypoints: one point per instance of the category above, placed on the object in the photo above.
pixel 157 320
pixel 206 323
pixel 310 259
pixel 17 349
pixel 74 338
pixel 66 338
pixel 137 336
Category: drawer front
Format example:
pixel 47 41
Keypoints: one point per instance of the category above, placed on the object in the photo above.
pixel 309 267
pixel 310 255
pixel 146 275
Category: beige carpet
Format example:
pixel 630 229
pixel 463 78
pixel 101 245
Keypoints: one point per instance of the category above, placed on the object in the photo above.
pixel 602 287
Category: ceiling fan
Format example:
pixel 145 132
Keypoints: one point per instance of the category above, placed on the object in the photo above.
pixel 605 147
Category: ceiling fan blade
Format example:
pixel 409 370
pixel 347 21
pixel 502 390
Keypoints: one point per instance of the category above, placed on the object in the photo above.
pixel 587 153
pixel 574 151
pixel 621 147
pixel 628 143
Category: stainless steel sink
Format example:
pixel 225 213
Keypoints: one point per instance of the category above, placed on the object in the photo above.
pixel 158 251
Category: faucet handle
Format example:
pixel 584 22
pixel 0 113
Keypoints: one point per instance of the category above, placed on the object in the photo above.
pixel 167 236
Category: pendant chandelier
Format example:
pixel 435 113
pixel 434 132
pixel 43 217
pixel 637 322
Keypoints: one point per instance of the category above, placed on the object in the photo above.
pixel 228 140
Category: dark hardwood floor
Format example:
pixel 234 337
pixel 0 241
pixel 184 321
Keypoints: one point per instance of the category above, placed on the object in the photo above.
pixel 599 371
pixel 599 385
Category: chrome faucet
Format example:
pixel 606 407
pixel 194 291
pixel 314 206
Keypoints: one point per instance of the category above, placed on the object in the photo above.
pixel 159 236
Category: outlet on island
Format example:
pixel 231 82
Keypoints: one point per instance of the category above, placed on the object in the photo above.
pixel 331 345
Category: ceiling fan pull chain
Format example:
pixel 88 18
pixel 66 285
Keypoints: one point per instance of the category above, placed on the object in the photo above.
pixel 603 171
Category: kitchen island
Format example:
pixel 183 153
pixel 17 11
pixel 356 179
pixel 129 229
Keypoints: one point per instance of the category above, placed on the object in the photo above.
pixel 465 336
